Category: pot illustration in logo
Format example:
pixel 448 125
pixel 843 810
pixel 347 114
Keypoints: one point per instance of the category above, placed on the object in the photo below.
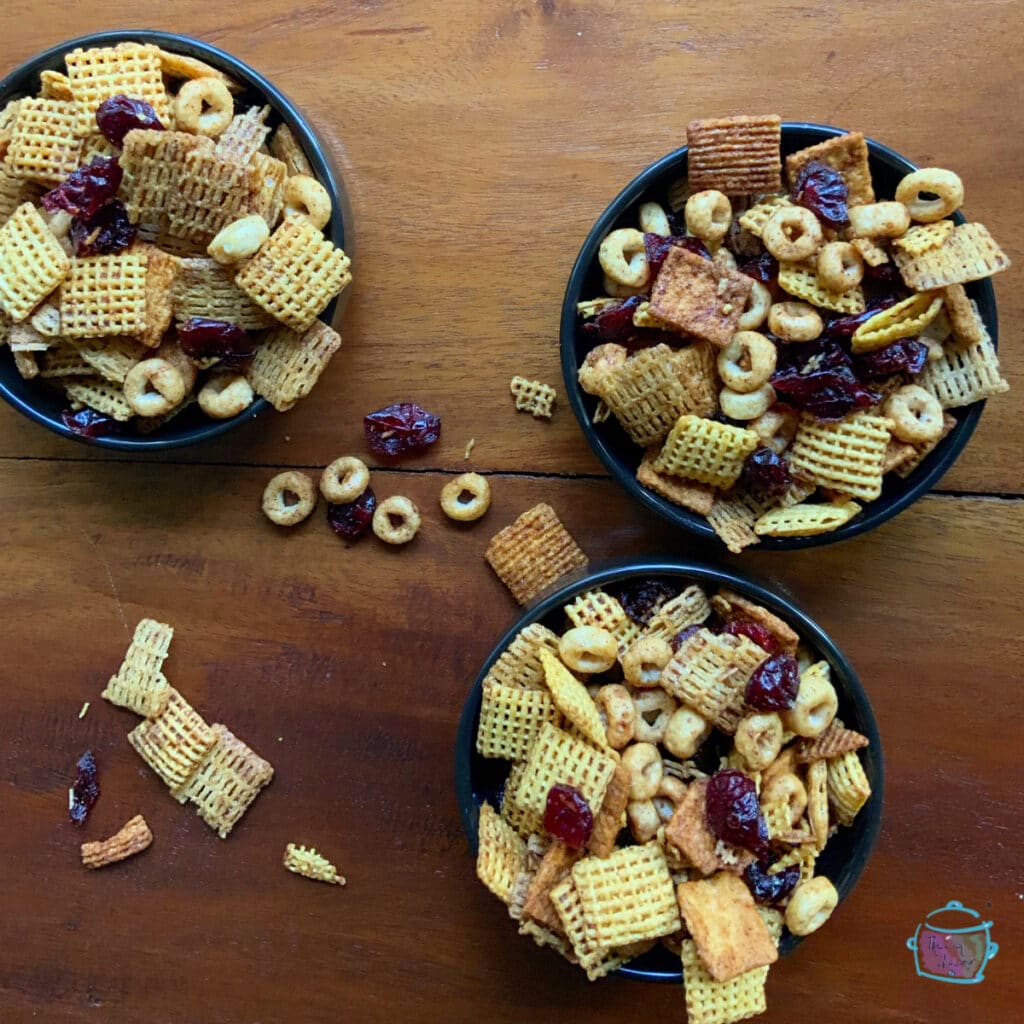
pixel 956 954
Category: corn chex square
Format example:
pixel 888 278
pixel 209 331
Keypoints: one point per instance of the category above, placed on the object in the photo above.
pixel 212 192
pixel 226 782
pixel 140 684
pixel 14 192
pixel 287 365
pixel 646 394
pixel 848 786
pixel 595 959
pixel 519 665
pixel 754 219
pixel 270 177
pixel 101 395
pixel 967 372
pixel 690 608
pixel 697 366
pixel 572 700
pixel 597 608
pixel 153 164
pixel 629 896
pixel 128 69
pixel 44 147
pixel 511 718
pixel 296 273
pixel 501 854
pixel 847 154
pixel 720 1002
pixel 32 263
pixel 105 296
pixel 968 254
pixel 174 743
pixel 533 396
pixel 806 520
pixel 846 456
pixel 533 552
pixel 705 450
pixel 736 155
pixel 244 136
pixel 801 281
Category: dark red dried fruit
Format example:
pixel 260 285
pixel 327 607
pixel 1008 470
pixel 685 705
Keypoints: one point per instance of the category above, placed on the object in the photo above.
pixel 843 327
pixel 826 395
pixel 810 356
pixel 770 889
pixel 733 812
pixel 885 275
pixel 108 231
pixel 641 600
pixel 567 816
pixel 906 356
pixel 765 268
pixel 767 473
pixel 88 422
pixel 657 248
pixel 352 519
pixel 201 338
pixel 401 428
pixel 773 685
pixel 119 115
pixel 616 322
pixel 86 188
pixel 752 631
pixel 86 790
pixel 821 190
pixel 682 636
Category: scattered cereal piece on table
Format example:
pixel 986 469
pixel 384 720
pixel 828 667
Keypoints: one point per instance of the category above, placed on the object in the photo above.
pixel 310 864
pixel 533 396
pixel 133 838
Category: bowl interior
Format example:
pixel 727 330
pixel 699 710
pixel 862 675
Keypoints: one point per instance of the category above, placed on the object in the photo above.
pixel 44 405
pixel 613 446
pixel 480 779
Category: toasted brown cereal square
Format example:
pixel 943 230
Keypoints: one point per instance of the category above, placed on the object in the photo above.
pixel 968 254
pixel 689 494
pixel 111 358
pixel 732 606
pixel 697 366
pixel 285 147
pixel 287 365
pixel 132 838
pixel 161 272
pixel 44 146
pixel 174 743
pixel 14 192
pixel 203 288
pixel 554 867
pixel 698 298
pixel 687 830
pixel 105 296
pixel 736 155
pixel 519 665
pixel 533 552
pixel 646 394
pixel 533 396
pixel 610 819
pixel 847 154
pixel 720 1002
pixel 510 720
pixel 25 338
pixel 32 263
pixel 244 136
pixel 212 192
pixel 501 853
pixel 270 177
pixel 153 163
pixel 848 786
pixel 705 450
pixel 964 319
pixel 690 608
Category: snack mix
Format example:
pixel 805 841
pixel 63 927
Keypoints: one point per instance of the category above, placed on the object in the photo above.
pixel 676 770
pixel 766 347
pixel 160 247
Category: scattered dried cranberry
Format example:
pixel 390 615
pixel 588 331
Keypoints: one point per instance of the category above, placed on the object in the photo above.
pixel 567 816
pixel 86 790
pixel 109 230
pixel 86 188
pixel 615 322
pixel 906 356
pixel 752 631
pixel 88 423
pixel 352 519
pixel 764 268
pixel 641 600
pixel 826 394
pixel 773 684
pixel 733 813
pixel 766 473
pixel 770 889
pixel 400 428
pixel 201 338
pixel 119 115
pixel 657 247
pixel 822 190
pixel 682 636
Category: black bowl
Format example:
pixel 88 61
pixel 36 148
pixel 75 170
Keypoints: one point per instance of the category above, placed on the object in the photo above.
pixel 478 778
pixel 621 456
pixel 45 406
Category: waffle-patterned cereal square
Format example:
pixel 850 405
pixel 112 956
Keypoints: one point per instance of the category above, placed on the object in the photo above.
pixel 801 281
pixel 847 154
pixel 848 786
pixel 806 520
pixel 128 69
pixel 511 718
pixel 175 742
pixel 846 456
pixel 555 865
pixel 628 896
pixel 736 155
pixel 44 147
pixel 296 273
pixel 285 147
pixel 572 700
pixel 689 494
pixel 310 864
pixel 967 372
pixel 270 175
pixel 533 396
pixel 212 192
pixel 906 319
pixel 161 273
pixel 519 665
pixel 733 606
pixel 14 192
pixel 646 394
pixel 968 254
pixel 501 854
pixel 244 136
pixel 720 1002
pixel 699 298
pixel 533 552
pixel 690 608
pixel 595 958
pixel 202 287
pixel 755 218
pixel 111 358
pixel 32 263
pixel 697 366
pixel 140 684
pixel 105 296
pixel 153 164
pixel 705 450
pixel 100 395
pixel 923 237
pixel 287 365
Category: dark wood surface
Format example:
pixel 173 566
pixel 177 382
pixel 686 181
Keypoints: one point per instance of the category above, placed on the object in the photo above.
pixel 478 142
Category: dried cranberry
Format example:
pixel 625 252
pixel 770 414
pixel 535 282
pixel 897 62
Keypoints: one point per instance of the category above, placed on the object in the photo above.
pixel 567 816
pixel 682 636
pixel 88 422
pixel 752 631
pixel 86 790
pixel 615 322
pixel 657 248
pixel 201 338
pixel 352 519
pixel 906 356
pixel 764 268
pixel 86 188
pixel 821 190
pixel 773 684
pixel 825 394
pixel 843 327
pixel 767 473
pixel 641 600
pixel 108 231
pixel 119 115
pixel 811 356
pixel 884 275
pixel 770 889
pixel 400 428
pixel 733 813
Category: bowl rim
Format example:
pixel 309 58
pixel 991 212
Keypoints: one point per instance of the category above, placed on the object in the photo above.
pixel 924 478
pixel 340 225
pixel 705 574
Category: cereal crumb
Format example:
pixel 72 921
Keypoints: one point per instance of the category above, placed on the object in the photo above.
pixel 469 447
pixel 287 437
pixel 310 864
pixel 84 711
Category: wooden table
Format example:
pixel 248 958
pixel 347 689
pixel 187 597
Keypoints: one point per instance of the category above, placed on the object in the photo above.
pixel 479 141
